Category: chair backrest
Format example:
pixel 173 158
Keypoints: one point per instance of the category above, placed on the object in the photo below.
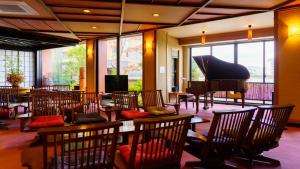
pixel 85 147
pixel 160 141
pixel 91 102
pixel 11 92
pixel 152 98
pixel 227 131
pixel 125 100
pixel 268 125
pixel 73 103
pixel 45 104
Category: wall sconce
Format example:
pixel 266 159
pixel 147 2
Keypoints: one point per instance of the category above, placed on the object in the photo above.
pixel 203 38
pixel 294 30
pixel 250 34
pixel 149 45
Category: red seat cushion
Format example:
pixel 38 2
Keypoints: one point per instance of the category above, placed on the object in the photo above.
pixel 47 121
pixel 132 114
pixel 156 145
pixel 5 111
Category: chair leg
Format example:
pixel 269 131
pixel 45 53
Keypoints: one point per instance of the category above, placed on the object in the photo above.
pixel 259 158
pixel 209 165
pixel 264 159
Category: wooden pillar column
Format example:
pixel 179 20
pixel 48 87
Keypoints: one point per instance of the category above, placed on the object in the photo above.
pixel 149 60
pixel 91 65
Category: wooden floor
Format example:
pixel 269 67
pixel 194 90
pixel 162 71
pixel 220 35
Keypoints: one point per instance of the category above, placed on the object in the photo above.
pixel 12 142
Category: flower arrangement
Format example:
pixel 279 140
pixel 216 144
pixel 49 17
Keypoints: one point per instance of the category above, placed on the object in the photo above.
pixel 15 78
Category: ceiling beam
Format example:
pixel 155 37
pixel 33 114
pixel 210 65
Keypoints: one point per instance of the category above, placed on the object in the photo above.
pixel 10 24
pixel 212 13
pixel 58 20
pixel 82 7
pixel 282 4
pixel 237 7
pixel 225 17
pixel 76 32
pixel 72 13
pixel 195 11
pixel 179 2
pixel 122 17
pixel 89 20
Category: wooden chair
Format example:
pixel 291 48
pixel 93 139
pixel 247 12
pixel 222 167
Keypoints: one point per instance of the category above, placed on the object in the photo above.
pixel 81 107
pixel 45 111
pixel 265 132
pixel 153 103
pixel 157 143
pixel 8 101
pixel 218 146
pixel 126 105
pixel 85 147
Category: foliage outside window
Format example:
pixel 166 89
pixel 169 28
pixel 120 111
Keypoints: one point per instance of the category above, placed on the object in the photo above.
pixel 131 60
pixel 63 64
pixel 111 56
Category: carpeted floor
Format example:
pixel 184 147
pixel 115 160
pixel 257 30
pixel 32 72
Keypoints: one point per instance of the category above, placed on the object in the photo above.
pixel 12 141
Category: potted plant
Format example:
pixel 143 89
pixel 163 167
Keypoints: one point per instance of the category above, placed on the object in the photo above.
pixel 15 78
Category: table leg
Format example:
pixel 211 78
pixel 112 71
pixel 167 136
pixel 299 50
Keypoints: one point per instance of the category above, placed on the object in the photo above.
pixel 193 127
pixel 108 114
pixel 197 103
pixel 22 124
pixel 186 102
pixel 177 107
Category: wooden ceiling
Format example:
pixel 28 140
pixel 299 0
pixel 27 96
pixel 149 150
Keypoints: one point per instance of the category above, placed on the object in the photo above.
pixel 115 17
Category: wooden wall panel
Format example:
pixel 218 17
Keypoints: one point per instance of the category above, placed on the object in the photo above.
pixel 287 69
pixel 230 36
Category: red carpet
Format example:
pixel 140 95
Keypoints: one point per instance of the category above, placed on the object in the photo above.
pixel 12 141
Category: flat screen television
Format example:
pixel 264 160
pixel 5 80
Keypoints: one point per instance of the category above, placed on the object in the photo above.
pixel 116 83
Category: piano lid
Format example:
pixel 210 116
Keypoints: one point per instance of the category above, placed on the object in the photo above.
pixel 214 68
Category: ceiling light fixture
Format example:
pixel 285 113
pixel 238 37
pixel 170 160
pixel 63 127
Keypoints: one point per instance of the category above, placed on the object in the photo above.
pixel 250 34
pixel 93 27
pixel 155 15
pixel 203 38
pixel 87 11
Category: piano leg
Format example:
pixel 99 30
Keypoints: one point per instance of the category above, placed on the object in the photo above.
pixel 243 99
pixel 211 99
pixel 205 106
pixel 197 103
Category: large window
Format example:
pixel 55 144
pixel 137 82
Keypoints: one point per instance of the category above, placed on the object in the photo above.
pixel 22 61
pixel 108 50
pixel 269 62
pixel 129 63
pixel 62 65
pixel 251 55
pixel 257 57
pixel 196 73
pixel 131 60
pixel 224 52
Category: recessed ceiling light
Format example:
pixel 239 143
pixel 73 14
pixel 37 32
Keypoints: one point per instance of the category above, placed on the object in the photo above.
pixel 155 14
pixel 86 11
pixel 93 27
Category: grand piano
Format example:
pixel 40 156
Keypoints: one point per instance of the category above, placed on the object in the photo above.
pixel 219 76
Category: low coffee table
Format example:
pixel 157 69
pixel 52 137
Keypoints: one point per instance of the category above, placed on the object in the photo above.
pixel 128 127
